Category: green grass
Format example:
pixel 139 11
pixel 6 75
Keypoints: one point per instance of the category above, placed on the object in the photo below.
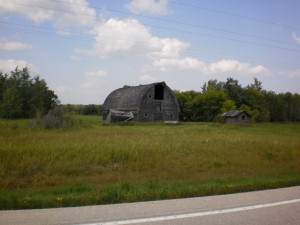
pixel 98 164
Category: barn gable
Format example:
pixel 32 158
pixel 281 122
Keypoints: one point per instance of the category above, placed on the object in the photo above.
pixel 151 102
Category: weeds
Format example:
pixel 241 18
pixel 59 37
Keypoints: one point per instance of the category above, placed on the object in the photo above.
pixel 58 117
pixel 98 164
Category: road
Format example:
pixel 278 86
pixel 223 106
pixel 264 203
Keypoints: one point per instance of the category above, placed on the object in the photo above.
pixel 278 206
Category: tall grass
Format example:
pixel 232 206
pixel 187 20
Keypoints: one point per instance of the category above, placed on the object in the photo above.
pixel 97 163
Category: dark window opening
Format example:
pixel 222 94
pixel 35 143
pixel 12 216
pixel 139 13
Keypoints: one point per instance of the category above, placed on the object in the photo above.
pixel 159 92
pixel 150 96
pixel 171 116
pixel 243 117
pixel 146 115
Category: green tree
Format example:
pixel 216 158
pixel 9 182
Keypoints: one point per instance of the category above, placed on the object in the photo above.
pixel 217 97
pixel 186 101
pixel 256 98
pixel 228 105
pixel 11 106
pixel 208 105
pixel 235 92
pixel 291 106
pixel 22 96
pixel 276 107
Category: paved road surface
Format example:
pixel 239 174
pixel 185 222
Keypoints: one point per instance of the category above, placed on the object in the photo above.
pixel 279 206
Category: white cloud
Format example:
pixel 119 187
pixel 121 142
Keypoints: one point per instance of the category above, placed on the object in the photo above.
pixel 234 66
pixel 128 38
pixel 90 91
pixel 6 44
pixel 295 73
pixel 64 14
pixel 149 6
pixel 8 65
pixel 188 63
pixel 115 37
pixel 145 79
pixel 296 38
pixel 219 67
pixel 166 47
pixel 93 79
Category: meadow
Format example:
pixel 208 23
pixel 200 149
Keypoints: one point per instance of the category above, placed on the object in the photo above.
pixel 96 163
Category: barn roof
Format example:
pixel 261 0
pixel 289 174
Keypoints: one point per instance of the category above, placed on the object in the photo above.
pixel 233 113
pixel 127 98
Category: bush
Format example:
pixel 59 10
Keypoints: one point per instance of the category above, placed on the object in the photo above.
pixel 58 117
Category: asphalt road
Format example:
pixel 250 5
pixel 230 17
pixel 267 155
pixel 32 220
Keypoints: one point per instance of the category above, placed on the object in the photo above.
pixel 278 206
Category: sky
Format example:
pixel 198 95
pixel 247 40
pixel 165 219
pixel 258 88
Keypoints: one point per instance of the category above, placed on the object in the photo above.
pixel 85 49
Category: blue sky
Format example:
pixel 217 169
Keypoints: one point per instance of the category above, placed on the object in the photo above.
pixel 85 49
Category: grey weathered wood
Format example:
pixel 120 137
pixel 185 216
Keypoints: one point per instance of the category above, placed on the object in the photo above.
pixel 236 117
pixel 151 102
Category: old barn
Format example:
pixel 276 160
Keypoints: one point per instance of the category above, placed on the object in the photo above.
pixel 151 102
pixel 236 117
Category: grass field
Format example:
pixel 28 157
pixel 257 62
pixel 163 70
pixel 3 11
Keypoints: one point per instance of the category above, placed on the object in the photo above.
pixel 98 164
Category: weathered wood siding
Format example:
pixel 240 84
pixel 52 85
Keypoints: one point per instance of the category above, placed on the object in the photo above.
pixel 242 118
pixel 152 102
pixel 152 109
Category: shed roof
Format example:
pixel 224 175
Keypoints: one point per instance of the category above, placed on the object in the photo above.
pixel 233 113
pixel 127 98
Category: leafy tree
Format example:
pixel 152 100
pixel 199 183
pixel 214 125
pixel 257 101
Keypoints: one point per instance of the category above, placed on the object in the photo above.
pixel 90 110
pixel 217 97
pixel 211 101
pixel 22 96
pixel 186 101
pixel 3 79
pixel 208 104
pixel 235 92
pixel 11 103
pixel 275 104
pixel 213 85
pixel 254 113
pixel 291 106
pixel 228 105
pixel 256 98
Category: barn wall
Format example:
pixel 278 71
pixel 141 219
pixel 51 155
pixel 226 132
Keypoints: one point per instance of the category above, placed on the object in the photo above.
pixel 242 118
pixel 153 102
pixel 152 109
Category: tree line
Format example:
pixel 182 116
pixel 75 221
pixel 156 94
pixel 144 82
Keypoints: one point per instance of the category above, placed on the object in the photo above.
pixel 217 97
pixel 90 109
pixel 22 96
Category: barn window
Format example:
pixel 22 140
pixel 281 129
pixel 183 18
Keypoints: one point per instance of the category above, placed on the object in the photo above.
pixel 145 115
pixel 159 92
pixel 243 117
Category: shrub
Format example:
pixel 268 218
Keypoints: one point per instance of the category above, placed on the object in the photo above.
pixel 58 117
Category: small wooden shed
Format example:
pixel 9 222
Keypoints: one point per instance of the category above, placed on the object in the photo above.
pixel 236 117
pixel 151 102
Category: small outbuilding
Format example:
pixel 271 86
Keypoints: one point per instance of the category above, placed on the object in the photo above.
pixel 236 117
pixel 151 102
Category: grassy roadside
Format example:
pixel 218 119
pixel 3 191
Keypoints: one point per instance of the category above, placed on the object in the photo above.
pixel 97 164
